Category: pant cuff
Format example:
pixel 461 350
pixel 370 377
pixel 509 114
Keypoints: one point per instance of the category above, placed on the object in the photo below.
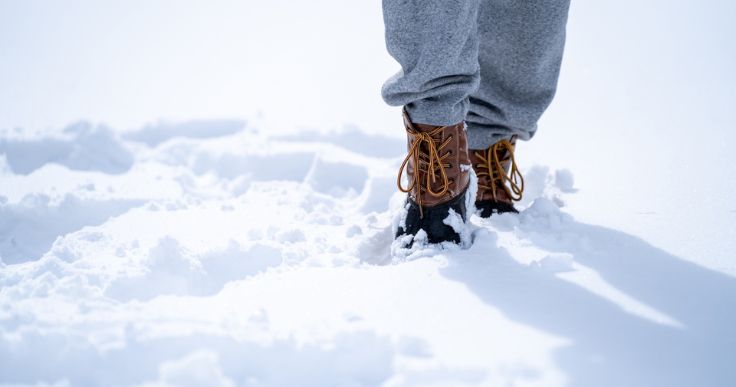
pixel 484 137
pixel 437 113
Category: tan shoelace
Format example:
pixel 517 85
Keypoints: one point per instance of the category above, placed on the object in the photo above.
pixel 431 159
pixel 491 166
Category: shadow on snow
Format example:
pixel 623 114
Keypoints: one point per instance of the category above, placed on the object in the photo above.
pixel 610 346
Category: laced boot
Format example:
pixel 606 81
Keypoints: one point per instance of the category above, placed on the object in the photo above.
pixel 500 183
pixel 438 170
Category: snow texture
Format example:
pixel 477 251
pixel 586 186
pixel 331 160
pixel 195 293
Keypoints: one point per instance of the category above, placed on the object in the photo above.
pixel 242 259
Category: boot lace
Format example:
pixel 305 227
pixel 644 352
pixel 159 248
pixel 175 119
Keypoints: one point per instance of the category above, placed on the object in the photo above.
pixel 428 163
pixel 491 166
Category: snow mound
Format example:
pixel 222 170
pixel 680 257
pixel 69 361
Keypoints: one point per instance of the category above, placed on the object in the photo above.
pixel 153 135
pixel 80 146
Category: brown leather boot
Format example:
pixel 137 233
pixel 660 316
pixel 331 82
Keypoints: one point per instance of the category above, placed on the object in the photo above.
pixel 438 170
pixel 500 183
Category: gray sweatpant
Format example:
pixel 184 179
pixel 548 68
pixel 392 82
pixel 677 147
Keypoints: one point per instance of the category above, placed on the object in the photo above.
pixel 492 63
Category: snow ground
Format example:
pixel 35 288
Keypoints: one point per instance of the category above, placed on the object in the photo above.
pixel 256 251
pixel 200 254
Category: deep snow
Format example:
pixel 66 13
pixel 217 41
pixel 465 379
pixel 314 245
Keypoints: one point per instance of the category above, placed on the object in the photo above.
pixel 214 256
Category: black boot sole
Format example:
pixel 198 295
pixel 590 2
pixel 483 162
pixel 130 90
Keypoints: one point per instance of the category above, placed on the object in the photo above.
pixel 486 208
pixel 431 220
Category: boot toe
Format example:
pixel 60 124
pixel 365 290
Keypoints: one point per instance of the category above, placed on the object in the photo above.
pixel 431 220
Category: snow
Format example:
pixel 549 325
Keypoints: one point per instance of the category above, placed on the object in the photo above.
pixel 235 267
pixel 162 242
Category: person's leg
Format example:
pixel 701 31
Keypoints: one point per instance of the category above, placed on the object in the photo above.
pixel 436 44
pixel 521 44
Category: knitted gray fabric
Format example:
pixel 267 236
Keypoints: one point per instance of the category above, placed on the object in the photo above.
pixel 492 63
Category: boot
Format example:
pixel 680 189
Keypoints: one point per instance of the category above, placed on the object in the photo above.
pixel 500 183
pixel 438 170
